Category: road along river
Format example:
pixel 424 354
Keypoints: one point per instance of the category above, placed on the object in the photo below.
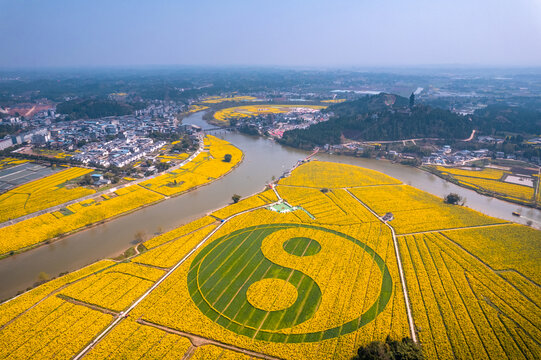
pixel 264 159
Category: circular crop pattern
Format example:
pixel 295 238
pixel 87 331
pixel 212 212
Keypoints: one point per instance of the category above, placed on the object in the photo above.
pixel 302 246
pixel 271 294
pixel 266 282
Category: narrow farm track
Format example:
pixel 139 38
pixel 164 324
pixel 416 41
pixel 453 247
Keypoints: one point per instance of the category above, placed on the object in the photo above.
pixel 200 341
pixel 457 228
pixel 125 313
pixel 350 187
pixel 400 269
pixel 90 306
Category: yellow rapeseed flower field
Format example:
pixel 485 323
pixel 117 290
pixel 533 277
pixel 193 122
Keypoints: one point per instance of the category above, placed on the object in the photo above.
pixel 208 352
pixel 10 161
pixel 196 108
pixel 415 210
pixel 507 189
pixel 464 309
pixel 490 181
pixel 251 202
pixel 320 174
pixel 182 156
pixel 130 340
pixel 115 288
pixel 253 110
pixel 40 194
pixel 168 254
pixel 41 228
pixel 12 308
pixel 313 278
pixel 333 101
pixel 506 247
pixel 206 167
pixel 52 329
pixel 486 173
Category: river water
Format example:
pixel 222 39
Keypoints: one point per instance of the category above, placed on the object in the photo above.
pixel 263 160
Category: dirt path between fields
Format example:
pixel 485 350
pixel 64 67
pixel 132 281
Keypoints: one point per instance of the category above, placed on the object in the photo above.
pixel 125 313
pixel 197 341
pixel 400 270
pixel 90 306
pixel 458 228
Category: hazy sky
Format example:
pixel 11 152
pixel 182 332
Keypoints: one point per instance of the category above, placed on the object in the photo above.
pixel 270 32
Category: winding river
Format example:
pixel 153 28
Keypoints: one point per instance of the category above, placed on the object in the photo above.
pixel 264 159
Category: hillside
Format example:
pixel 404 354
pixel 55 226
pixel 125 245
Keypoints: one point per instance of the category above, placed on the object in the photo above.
pixel 505 118
pixel 380 117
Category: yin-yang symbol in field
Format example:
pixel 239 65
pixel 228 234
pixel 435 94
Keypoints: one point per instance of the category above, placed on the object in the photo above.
pixel 289 282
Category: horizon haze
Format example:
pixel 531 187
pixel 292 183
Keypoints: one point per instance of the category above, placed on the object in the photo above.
pixel 345 33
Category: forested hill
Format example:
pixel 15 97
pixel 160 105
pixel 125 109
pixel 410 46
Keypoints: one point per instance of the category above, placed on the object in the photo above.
pixel 93 109
pixel 500 118
pixel 381 117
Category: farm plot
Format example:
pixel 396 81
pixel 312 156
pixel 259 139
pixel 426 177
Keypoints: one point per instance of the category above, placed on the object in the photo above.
pixel 282 287
pixel 486 173
pixel 416 211
pixel 115 288
pixel 251 202
pixel 332 207
pixel 224 115
pixel 271 283
pixel 218 99
pixel 321 174
pixel 9 310
pixel 7 162
pixel 513 248
pixel 494 182
pixel 47 226
pixel 53 329
pixel 206 167
pixel 131 340
pixel 463 309
pixel 505 189
pixel 41 194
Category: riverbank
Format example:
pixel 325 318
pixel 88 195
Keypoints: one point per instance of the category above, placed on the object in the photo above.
pixel 534 203
pixel 485 192
pixel 263 160
pixel 15 232
pixel 130 252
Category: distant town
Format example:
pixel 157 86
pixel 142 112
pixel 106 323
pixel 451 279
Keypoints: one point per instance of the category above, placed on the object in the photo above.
pixel 128 129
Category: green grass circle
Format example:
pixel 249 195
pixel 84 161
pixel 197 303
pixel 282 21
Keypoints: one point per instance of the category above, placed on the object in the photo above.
pixel 221 273
pixel 301 246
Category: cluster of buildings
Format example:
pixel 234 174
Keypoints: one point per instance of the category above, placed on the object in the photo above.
pixel 445 156
pixel 276 124
pixel 113 140
pixel 38 136
pixel 120 152
pixel 49 128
